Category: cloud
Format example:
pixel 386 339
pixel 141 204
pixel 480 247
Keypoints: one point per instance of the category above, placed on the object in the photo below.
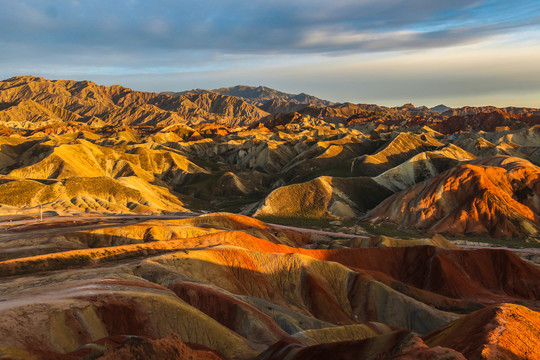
pixel 258 26
pixel 337 47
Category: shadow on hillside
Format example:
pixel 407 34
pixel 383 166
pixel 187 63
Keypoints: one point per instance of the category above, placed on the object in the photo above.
pixel 361 167
pixel 32 150
pixel 417 280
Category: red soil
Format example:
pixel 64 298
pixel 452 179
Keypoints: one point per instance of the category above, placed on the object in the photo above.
pixel 170 348
pixel 229 311
pixel 399 344
pixel 485 275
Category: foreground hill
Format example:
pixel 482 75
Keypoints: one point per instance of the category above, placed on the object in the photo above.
pixel 504 331
pixel 223 286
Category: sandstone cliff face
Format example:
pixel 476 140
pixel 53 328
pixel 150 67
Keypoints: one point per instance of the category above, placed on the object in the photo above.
pixel 505 331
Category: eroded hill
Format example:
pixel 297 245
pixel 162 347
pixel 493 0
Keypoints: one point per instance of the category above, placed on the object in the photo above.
pixel 124 265
pixel 228 286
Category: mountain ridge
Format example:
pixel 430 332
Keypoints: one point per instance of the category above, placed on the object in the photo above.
pixel 258 95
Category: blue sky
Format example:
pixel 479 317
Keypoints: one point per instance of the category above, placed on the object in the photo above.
pixel 459 52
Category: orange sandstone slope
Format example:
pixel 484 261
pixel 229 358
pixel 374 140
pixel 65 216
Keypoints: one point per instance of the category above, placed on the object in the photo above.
pixel 170 348
pixel 503 331
pixel 497 196
pixel 243 288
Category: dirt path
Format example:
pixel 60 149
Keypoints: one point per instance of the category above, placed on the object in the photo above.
pixel 319 232
pixel 527 250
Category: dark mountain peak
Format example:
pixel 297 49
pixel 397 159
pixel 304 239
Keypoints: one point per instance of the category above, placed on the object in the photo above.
pixel 440 108
pixel 259 95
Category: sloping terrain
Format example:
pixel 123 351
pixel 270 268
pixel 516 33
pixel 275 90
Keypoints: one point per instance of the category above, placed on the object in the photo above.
pixel 348 197
pixel 209 281
pixel 97 105
pixel 87 194
pixel 189 151
pixel 324 197
pixel 504 331
pixel 403 147
pixel 142 253
pixel 259 95
pixel 394 345
pixel 496 196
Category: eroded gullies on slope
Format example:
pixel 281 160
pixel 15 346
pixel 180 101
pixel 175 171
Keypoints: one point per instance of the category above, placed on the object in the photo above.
pixel 376 185
pixel 242 288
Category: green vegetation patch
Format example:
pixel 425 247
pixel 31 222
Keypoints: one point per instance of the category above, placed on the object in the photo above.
pixel 516 243
pixel 391 230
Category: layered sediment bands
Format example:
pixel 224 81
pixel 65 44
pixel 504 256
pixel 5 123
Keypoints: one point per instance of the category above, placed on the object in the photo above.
pixel 505 331
pixel 423 166
pixel 170 347
pixel 85 159
pixel 374 241
pixel 245 289
pixel 403 147
pixel 72 316
pixel 346 197
pixel 231 312
pixel 207 150
pixel 91 194
pixel 125 266
pixel 323 197
pixel 84 101
pixel 393 345
pixel 494 196
pixel 183 233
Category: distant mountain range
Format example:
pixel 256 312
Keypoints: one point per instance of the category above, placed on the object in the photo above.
pixel 258 95
pixel 29 102
pixel 440 108
pixel 261 95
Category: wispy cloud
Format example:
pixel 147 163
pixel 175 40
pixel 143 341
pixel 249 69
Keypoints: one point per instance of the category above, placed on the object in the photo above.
pixel 129 37
pixel 260 26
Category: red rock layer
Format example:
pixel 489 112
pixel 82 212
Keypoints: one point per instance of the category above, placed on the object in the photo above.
pixel 496 196
pixel 484 275
pixel 229 311
pixel 399 344
pixel 170 348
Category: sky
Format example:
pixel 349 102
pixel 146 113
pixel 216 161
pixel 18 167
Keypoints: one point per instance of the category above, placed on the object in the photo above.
pixel 388 52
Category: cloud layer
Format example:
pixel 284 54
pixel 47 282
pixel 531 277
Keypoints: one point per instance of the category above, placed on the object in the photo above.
pixel 149 39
